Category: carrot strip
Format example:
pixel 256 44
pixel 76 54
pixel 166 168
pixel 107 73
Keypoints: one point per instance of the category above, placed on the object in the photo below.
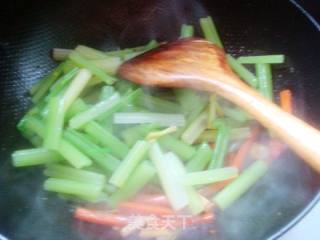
pixel 141 208
pixel 100 217
pixel 245 148
pixel 286 100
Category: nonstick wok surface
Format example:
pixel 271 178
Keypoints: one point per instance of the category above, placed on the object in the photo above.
pixel 29 29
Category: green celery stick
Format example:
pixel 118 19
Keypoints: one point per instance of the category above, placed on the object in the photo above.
pixel 264 74
pixel 242 184
pixel 81 141
pixel 270 59
pixel 200 159
pixel 107 139
pixel 34 156
pixel 76 158
pixel 143 174
pixel 127 166
pixel 186 31
pixel 210 31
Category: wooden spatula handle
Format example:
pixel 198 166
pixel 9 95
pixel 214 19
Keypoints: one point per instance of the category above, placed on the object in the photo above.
pixel 301 137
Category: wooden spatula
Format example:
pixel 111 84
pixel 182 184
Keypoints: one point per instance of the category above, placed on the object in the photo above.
pixel 199 64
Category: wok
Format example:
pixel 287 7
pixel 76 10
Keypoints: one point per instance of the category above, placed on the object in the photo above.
pixel 29 29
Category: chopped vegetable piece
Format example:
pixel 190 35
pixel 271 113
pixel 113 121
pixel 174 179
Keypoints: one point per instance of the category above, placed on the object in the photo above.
pixel 76 87
pixel 210 176
pixel 109 65
pixel 127 166
pixel 195 129
pixel 180 148
pixel 33 124
pixel 90 53
pixel 76 158
pixel 270 59
pixel 210 31
pixel 34 156
pixel 201 159
pixel 117 147
pixel 186 31
pixel 133 134
pixel 264 76
pixel 172 186
pixel 157 104
pixel 39 90
pixel 221 146
pixel 286 100
pixel 144 173
pixel 212 110
pixel 100 217
pixel 163 119
pixel 54 123
pixel 98 72
pixel 236 114
pixel 238 187
pixel 103 159
pixel 65 172
pixel 72 187
pixel 60 54
pixel 76 107
pixel 62 82
pixel 195 202
pixel 243 72
pixel 94 111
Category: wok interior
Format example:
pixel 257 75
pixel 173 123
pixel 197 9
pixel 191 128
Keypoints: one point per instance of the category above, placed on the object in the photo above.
pixel 30 30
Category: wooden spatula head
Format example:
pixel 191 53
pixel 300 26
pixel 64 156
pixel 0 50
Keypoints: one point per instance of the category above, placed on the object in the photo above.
pixel 182 63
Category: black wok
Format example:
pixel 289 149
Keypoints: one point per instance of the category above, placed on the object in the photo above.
pixel 29 29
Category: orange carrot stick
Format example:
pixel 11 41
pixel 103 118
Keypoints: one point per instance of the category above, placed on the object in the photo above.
pixel 141 208
pixel 245 148
pixel 286 100
pixel 100 217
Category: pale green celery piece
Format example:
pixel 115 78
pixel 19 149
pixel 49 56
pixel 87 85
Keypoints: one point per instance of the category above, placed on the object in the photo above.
pixel 61 83
pixel 54 123
pixel 173 188
pixel 242 71
pixel 129 163
pixel 201 159
pixel 175 145
pixel 94 112
pixel 65 172
pixel 72 187
pixel 32 124
pixel 156 104
pixel 221 145
pixel 231 193
pixel 270 59
pixel 210 176
pixel 195 129
pixel 90 53
pixel 210 31
pixel 189 100
pixel 34 156
pixel 127 99
pixel 80 61
pixel 141 176
pixel 102 158
pixel 76 87
pixel 60 54
pixel 107 139
pixel 195 203
pixel 100 198
pixel 264 74
pixel 208 135
pixel 76 158
pixel 76 107
pixel 186 31
pixel 163 119
pixel 110 65
pixel 39 90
